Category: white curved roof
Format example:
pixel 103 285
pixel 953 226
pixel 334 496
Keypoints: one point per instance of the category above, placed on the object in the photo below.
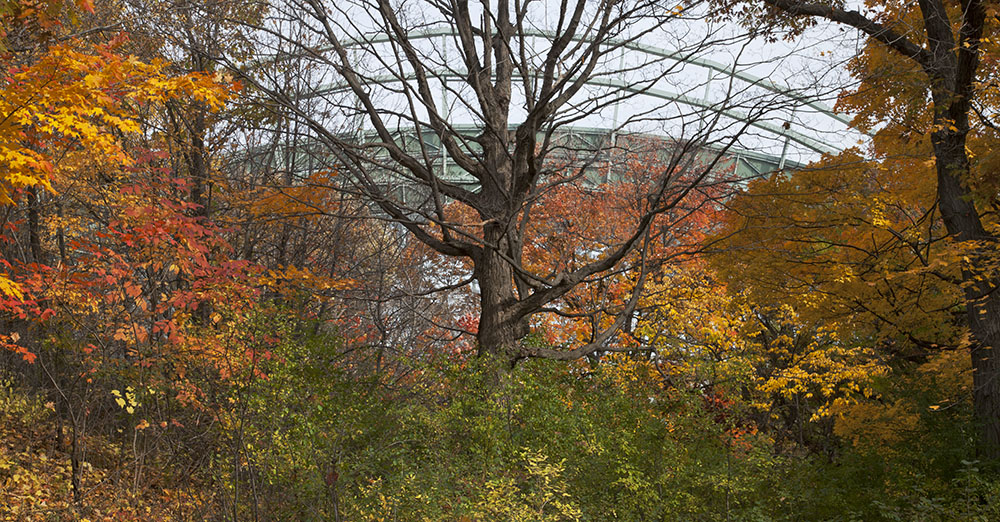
pixel 671 80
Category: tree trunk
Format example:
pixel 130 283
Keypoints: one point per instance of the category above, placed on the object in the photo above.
pixel 499 332
pixel 984 320
pixel 982 302
pixel 34 225
pixel 198 165
pixel 74 463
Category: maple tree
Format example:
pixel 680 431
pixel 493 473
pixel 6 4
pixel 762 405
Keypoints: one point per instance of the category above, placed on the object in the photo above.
pixel 937 61
pixel 85 161
pixel 849 248
pixel 75 123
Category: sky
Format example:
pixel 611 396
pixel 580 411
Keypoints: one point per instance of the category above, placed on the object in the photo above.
pixel 785 89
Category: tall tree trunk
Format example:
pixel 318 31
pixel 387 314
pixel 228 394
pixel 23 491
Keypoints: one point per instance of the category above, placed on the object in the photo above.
pixel 982 301
pixel 500 331
pixel 199 165
pixel 498 334
pixel 74 462
pixel 34 225
pixel 984 320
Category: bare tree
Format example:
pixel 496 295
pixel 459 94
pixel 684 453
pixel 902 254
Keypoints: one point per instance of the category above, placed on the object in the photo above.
pixel 449 117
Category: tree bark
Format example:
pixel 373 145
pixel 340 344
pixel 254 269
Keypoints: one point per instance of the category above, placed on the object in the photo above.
pixel 984 320
pixel 499 332
pixel 34 225
pixel 198 165
pixel 981 299
pixel 952 68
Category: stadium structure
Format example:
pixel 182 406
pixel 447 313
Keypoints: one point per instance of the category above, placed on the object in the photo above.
pixel 800 130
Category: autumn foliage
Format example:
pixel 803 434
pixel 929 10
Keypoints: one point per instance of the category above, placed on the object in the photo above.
pixel 203 318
